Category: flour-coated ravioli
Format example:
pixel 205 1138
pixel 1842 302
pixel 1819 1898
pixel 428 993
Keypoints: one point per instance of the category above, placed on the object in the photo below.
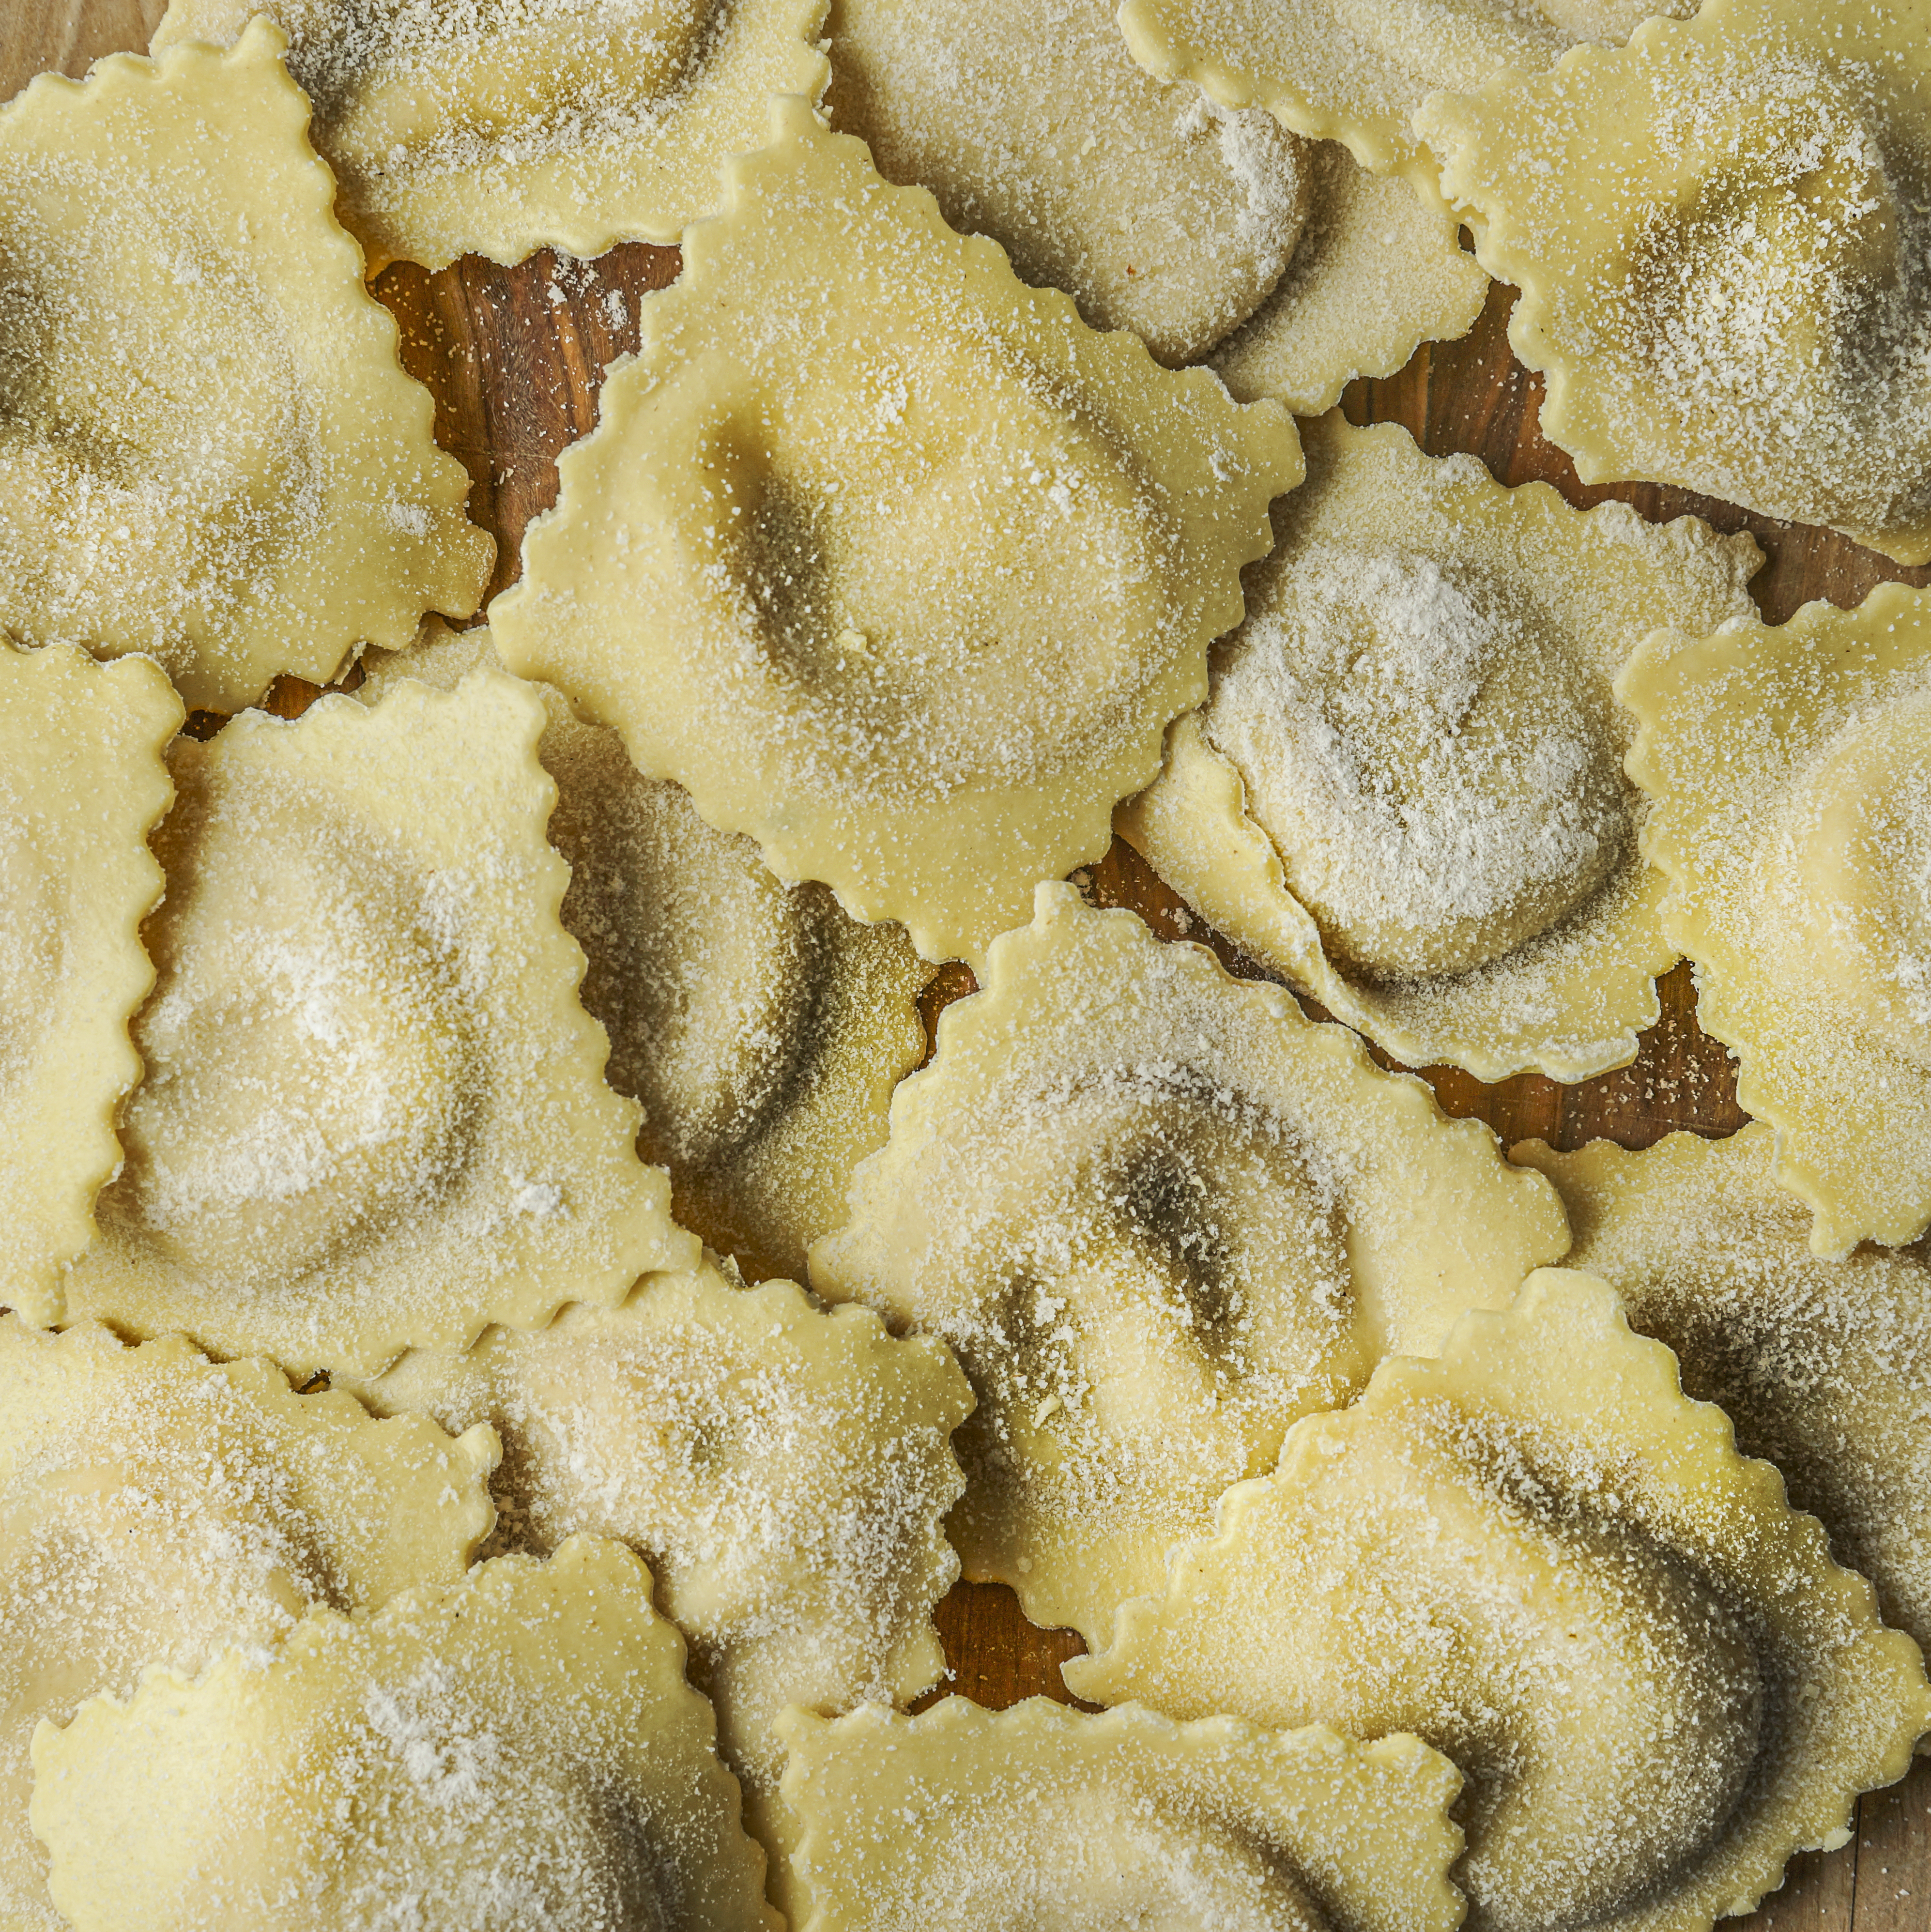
pixel 860 483
pixel 83 780
pixel 961 1819
pixel 1791 770
pixel 1822 1365
pixel 1720 234
pixel 1406 790
pixel 499 127
pixel 156 1508
pixel 1159 1215
pixel 209 451
pixel 374 1113
pixel 1356 71
pixel 518 1749
pixel 761 1030
pixel 786 1470
pixel 1537 1555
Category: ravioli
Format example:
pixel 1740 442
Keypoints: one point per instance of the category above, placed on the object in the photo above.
pixel 209 451
pixel 858 485
pixel 1404 791
pixel 1042 1817
pixel 1790 768
pixel 155 1509
pixel 761 1030
pixel 499 127
pixel 786 1470
pixel 1534 1553
pixel 1721 236
pixel 374 1113
pixel 1158 1215
pixel 1821 1365
pixel 1356 71
pixel 518 1749
pixel 82 781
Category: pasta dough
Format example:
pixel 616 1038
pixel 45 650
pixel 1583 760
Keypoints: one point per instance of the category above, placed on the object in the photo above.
pixel 208 450
pixel 1404 791
pixel 82 781
pixel 1537 1555
pixel 1356 71
pixel 155 1509
pixel 373 1114
pixel 786 1470
pixel 1822 1366
pixel 762 1030
pixel 961 1818
pixel 1791 773
pixel 1720 234
pixel 520 1749
pixel 858 485
pixel 1158 1215
pixel 499 127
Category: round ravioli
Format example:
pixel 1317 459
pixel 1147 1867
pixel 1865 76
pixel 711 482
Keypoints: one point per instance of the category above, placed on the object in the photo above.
pixel 1159 1215
pixel 1822 1365
pixel 1721 235
pixel 1153 208
pixel 82 781
pixel 156 1509
pixel 1356 71
pixel 209 451
pixel 1042 1817
pixel 786 1470
pixel 762 1030
pixel 518 1750
pixel 374 1113
pixel 1791 773
pixel 858 484
pixel 1406 790
pixel 499 127
pixel 1537 1555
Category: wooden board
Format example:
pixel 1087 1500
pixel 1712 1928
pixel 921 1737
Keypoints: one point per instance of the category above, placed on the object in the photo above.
pixel 514 358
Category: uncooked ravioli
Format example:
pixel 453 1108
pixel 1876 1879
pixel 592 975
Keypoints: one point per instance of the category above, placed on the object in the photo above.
pixel 858 483
pixel 82 782
pixel 208 449
pixel 1720 234
pixel 1159 1215
pixel 1534 1553
pixel 373 1114
pixel 1405 790
pixel 499 127
pixel 517 1749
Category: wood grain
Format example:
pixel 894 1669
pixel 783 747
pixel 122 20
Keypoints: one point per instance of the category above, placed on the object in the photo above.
pixel 515 358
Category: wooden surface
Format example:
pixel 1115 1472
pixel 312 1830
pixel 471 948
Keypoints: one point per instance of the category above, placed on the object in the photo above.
pixel 515 358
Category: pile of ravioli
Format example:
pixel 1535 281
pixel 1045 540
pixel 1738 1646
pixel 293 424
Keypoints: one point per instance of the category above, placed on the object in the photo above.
pixel 514 1326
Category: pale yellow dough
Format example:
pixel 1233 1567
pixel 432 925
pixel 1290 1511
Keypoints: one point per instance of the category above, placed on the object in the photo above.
pixel 209 451
pixel 1405 791
pixel 374 1113
pixel 155 1509
pixel 518 1750
pixel 1356 71
pixel 786 1472
pixel 1790 769
pixel 1537 1555
pixel 1822 1366
pixel 499 127
pixel 963 1819
pixel 859 486
pixel 1159 1215
pixel 761 1030
pixel 1720 234
pixel 82 781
